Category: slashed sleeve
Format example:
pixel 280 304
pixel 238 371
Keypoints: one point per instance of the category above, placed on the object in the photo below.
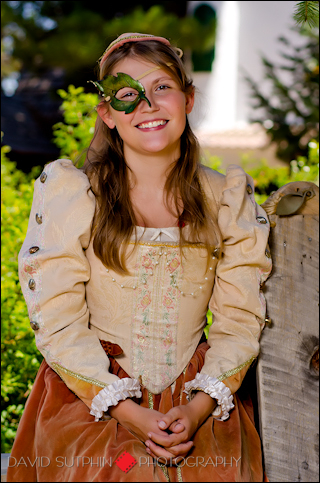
pixel 237 304
pixel 53 270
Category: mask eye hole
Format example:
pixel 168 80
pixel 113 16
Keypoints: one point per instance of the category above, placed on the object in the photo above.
pixel 127 94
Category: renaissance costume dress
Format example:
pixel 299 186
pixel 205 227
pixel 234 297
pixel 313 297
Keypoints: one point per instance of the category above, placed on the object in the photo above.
pixel 106 337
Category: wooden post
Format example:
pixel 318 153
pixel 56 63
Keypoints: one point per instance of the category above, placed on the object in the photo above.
pixel 288 366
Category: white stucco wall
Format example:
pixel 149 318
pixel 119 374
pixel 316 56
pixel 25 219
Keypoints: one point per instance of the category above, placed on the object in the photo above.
pixel 246 30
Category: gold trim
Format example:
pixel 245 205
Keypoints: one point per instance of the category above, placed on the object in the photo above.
pixel 58 368
pixel 147 72
pixel 237 369
pixel 182 385
pixel 165 471
pixel 179 475
pixel 179 51
pixel 150 71
pixel 150 399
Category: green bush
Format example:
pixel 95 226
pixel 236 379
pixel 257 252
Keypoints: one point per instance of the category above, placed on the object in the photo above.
pixel 268 179
pixel 20 358
pixel 73 135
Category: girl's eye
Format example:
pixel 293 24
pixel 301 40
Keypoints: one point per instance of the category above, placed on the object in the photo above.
pixel 127 96
pixel 163 87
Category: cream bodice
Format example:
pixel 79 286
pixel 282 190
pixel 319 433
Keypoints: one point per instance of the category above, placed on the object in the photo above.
pixel 157 313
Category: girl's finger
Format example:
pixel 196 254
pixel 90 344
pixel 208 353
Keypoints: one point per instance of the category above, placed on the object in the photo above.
pixel 169 418
pixel 168 440
pixel 159 452
pixel 172 461
pixel 181 449
pixel 176 427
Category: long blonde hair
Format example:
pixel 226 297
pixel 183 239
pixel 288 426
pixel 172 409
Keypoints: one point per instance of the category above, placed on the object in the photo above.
pixel 105 165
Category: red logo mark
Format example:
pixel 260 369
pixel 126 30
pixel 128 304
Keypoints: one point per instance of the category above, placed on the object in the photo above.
pixel 125 461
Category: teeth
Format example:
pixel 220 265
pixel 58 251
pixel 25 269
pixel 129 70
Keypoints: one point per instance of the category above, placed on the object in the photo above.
pixel 151 124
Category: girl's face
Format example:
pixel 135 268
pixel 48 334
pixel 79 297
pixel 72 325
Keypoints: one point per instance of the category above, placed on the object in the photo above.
pixel 154 129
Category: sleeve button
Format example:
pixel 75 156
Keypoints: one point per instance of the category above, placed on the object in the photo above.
pixel 267 252
pixel 32 284
pixel 38 219
pixel 43 177
pixel 262 220
pixel 249 189
pixel 33 250
pixel 34 325
pixel 268 321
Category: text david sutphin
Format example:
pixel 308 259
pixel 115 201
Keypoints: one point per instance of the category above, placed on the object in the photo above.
pixel 125 461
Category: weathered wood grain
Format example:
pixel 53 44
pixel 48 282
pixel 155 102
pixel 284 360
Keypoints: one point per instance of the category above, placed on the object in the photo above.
pixel 287 381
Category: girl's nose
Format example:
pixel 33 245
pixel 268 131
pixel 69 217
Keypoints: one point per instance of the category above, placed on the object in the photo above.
pixel 145 107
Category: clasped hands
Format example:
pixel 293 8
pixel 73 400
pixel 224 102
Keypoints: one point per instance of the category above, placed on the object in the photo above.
pixel 172 440
pixel 168 437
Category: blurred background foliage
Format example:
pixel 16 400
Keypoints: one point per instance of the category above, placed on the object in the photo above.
pixel 20 359
pixel 292 107
pixel 69 35
pixel 37 36
pixel 47 45
pixel 40 36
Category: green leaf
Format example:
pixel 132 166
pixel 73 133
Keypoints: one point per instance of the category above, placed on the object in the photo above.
pixel 19 354
pixel 307 12
pixel 112 84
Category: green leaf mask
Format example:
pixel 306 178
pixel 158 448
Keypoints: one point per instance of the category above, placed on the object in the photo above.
pixel 110 85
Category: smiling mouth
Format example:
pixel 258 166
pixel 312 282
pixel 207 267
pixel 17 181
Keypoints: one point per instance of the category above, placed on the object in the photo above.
pixel 153 124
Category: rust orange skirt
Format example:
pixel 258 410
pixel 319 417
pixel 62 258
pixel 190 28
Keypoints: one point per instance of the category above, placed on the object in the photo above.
pixel 58 439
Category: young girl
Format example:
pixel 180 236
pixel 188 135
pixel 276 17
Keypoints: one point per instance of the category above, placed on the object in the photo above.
pixel 120 264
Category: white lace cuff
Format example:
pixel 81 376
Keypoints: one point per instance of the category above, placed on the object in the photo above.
pixel 112 394
pixel 216 389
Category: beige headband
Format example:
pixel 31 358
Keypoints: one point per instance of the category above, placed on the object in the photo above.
pixel 136 37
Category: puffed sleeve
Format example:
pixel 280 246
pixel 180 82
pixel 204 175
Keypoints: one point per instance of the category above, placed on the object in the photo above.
pixel 53 270
pixel 237 304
